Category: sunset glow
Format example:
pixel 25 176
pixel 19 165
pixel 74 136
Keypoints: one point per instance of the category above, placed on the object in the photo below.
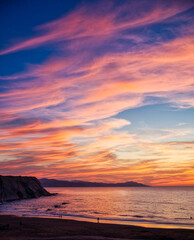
pixel 98 91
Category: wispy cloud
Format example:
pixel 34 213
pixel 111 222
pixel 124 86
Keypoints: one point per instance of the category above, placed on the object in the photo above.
pixel 58 117
pixel 101 24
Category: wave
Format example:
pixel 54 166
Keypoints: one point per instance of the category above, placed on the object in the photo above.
pixel 128 220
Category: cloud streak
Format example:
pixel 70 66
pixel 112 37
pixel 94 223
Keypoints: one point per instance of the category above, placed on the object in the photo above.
pixel 101 24
pixel 58 117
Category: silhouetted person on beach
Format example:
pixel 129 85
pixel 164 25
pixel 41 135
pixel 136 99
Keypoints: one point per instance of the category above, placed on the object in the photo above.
pixel 98 219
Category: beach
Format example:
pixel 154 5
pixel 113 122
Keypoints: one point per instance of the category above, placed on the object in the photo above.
pixel 31 228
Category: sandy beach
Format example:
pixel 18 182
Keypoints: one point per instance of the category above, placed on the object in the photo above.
pixel 13 227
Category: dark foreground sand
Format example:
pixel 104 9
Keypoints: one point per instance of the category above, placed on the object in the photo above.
pixel 51 229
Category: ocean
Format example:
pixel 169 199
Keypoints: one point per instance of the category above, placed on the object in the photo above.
pixel 144 206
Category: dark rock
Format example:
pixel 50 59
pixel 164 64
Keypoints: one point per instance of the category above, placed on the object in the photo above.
pixel 17 187
pixel 4 227
pixel 57 206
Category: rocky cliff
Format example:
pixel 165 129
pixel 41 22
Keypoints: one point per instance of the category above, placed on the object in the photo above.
pixel 17 187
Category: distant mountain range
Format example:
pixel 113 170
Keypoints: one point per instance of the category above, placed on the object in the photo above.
pixel 59 183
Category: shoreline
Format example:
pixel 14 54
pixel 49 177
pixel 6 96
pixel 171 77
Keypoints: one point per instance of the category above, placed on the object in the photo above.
pixel 138 223
pixel 53 228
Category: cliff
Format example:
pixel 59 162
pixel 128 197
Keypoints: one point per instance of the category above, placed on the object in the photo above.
pixel 17 187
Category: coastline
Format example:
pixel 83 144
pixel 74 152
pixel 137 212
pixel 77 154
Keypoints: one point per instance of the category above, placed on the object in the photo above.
pixel 52 228
pixel 32 212
pixel 91 219
pixel 80 218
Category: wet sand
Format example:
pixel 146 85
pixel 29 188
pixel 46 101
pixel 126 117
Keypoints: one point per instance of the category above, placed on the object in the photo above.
pixel 13 227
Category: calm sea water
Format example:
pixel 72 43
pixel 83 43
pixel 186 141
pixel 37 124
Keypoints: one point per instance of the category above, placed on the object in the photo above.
pixel 147 206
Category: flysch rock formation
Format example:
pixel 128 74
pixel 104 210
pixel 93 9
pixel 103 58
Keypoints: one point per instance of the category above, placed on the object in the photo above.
pixel 18 187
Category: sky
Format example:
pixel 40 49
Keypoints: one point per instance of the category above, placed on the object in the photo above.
pixel 98 90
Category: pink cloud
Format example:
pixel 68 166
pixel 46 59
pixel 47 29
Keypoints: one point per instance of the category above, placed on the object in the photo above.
pixel 99 25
